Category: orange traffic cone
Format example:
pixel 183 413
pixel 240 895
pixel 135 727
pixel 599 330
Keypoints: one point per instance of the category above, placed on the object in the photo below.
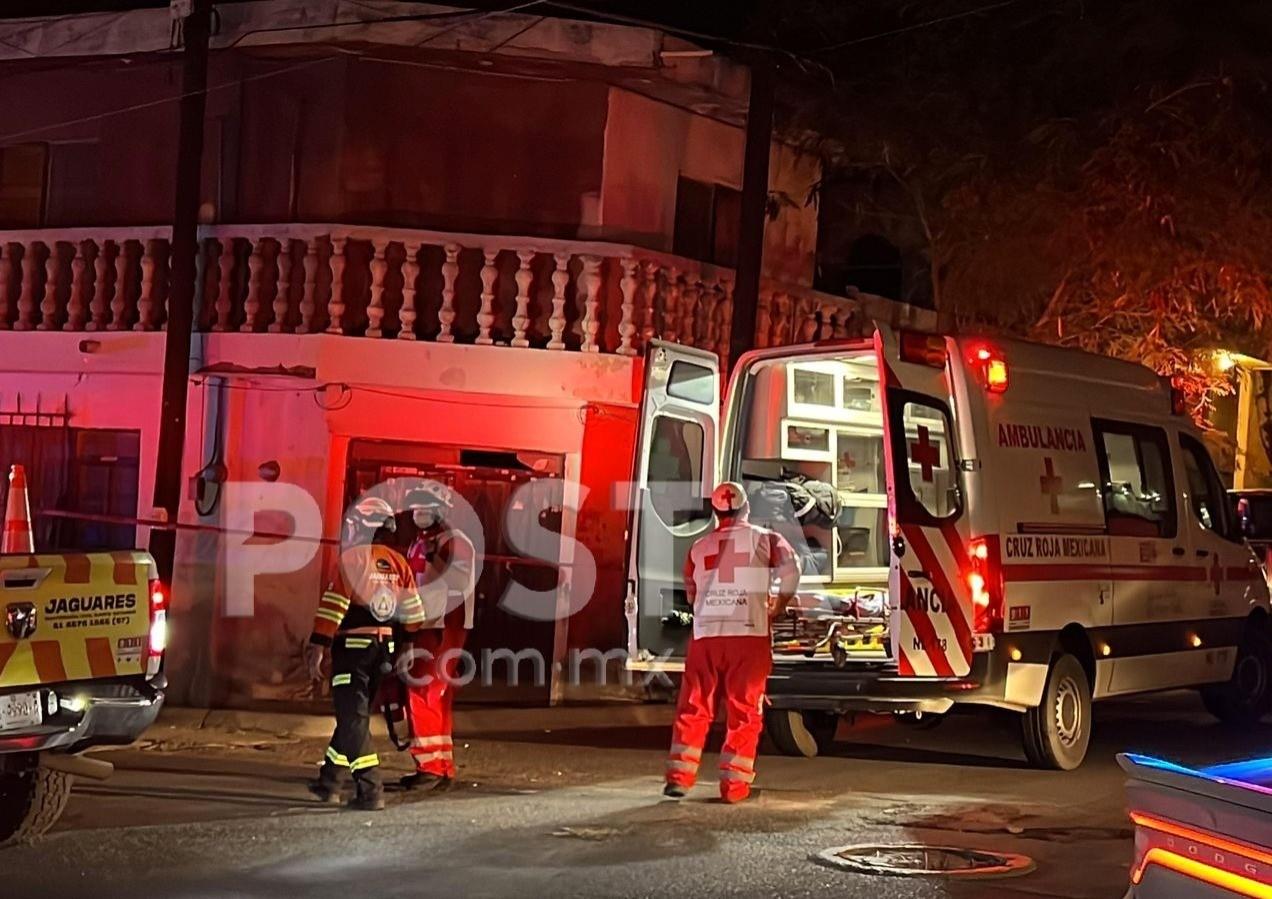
pixel 17 536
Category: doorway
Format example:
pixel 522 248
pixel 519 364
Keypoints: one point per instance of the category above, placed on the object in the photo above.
pixel 510 492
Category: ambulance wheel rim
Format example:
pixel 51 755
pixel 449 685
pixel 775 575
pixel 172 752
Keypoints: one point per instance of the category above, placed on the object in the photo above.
pixel 1068 712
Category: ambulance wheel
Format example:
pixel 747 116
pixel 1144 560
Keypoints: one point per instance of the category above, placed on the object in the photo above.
pixel 31 800
pixel 1247 696
pixel 1056 733
pixel 806 733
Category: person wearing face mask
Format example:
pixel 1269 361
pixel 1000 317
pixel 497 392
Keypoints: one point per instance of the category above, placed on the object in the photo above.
pixel 443 560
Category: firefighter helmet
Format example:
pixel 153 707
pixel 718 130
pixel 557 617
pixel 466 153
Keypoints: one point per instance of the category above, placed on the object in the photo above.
pixel 372 512
pixel 431 495
pixel 729 498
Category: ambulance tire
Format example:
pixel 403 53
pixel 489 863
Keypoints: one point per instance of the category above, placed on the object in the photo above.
pixel 1056 733
pixel 32 798
pixel 801 733
pixel 1247 696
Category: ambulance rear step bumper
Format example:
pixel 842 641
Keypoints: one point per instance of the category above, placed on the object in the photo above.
pixel 858 688
pixel 116 712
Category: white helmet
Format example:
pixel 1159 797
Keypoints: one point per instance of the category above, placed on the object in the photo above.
pixel 729 498
pixel 371 513
pixel 431 495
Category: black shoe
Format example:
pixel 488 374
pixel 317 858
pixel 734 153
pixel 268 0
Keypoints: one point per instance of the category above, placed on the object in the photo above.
pixel 367 802
pixel 324 791
pixel 425 782
pixel 674 791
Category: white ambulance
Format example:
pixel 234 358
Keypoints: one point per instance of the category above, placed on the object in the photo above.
pixel 1000 523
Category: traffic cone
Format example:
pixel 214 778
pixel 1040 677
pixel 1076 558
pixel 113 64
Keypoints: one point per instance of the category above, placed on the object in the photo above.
pixel 17 515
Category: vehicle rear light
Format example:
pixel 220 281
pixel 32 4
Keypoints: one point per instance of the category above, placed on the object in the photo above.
pixel 1240 868
pixel 991 367
pixel 157 636
pixel 923 349
pixel 985 583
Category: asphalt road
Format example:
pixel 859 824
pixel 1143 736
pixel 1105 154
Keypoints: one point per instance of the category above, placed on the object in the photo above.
pixel 577 812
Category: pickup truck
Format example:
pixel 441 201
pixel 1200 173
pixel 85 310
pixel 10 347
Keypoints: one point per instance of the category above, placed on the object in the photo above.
pixel 82 638
pixel 1200 833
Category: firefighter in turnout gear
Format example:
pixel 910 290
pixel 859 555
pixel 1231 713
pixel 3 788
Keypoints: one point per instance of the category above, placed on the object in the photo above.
pixel 372 591
pixel 738 577
pixel 443 561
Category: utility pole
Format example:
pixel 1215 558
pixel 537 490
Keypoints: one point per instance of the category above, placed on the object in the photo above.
pixel 195 27
pixel 755 175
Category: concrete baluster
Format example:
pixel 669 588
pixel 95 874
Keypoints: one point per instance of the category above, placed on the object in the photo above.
pixel 627 323
pixel 336 303
pixel 375 308
pixel 446 315
pixel 410 275
pixel 525 277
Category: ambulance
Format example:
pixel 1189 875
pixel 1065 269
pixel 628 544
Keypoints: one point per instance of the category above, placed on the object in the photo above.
pixel 1001 523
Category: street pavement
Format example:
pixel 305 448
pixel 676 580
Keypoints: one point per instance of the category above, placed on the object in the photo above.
pixel 570 807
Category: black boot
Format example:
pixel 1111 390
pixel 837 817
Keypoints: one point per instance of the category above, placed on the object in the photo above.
pixel 326 786
pixel 369 799
pixel 425 781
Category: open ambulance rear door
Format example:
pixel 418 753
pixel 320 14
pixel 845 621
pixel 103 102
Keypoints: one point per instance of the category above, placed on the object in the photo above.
pixel 675 472
pixel 933 565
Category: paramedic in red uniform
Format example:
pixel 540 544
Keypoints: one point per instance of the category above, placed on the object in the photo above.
pixel 731 577
pixel 443 560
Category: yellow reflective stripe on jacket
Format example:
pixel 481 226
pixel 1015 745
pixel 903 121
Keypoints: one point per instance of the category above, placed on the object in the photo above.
pixel 357 642
pixel 412 611
pixel 336 758
pixel 364 762
pixel 335 600
pixel 342 680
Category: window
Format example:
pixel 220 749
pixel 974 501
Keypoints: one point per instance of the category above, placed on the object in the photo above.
pixel 23 176
pixel 1139 493
pixel 695 383
pixel 921 432
pixel 707 218
pixel 675 470
pixel 1206 496
pixel 94 471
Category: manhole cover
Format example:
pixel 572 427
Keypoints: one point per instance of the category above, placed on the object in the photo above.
pixel 925 861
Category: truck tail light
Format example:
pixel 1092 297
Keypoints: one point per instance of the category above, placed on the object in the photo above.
pixel 1237 867
pixel 985 584
pixel 157 636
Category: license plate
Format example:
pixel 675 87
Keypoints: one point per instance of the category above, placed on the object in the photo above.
pixel 18 710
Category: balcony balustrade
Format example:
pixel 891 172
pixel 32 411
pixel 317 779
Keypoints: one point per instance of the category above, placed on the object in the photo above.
pixel 402 284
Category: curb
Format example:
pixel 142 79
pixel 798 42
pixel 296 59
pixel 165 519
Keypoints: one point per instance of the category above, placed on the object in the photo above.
pixel 469 722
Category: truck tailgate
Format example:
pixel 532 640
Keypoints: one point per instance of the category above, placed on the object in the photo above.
pixel 73 616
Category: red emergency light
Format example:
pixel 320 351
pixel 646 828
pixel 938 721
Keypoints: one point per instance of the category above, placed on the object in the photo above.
pixel 992 368
pixel 923 349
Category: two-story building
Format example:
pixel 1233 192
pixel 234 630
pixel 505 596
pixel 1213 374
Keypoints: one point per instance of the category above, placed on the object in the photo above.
pixel 435 242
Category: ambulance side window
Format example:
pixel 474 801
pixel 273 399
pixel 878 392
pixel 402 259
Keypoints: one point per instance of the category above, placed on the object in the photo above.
pixel 1139 493
pixel 676 457
pixel 928 480
pixel 1206 496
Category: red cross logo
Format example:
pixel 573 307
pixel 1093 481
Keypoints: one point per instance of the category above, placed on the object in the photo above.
pixel 1216 574
pixel 1052 484
pixel 926 453
pixel 727 561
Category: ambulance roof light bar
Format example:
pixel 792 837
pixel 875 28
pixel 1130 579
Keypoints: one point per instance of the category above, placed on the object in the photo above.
pixel 992 367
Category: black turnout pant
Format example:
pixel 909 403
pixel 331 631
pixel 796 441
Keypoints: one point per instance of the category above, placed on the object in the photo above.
pixel 356 668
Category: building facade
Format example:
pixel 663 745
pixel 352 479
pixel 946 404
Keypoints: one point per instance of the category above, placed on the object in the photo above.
pixel 434 246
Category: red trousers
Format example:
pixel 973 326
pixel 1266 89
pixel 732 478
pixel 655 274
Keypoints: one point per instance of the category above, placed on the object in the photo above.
pixel 741 665
pixel 431 696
